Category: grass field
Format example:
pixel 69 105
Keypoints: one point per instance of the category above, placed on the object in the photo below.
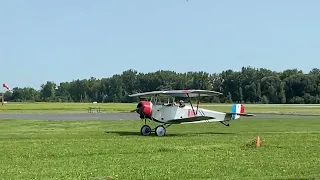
pixel 123 107
pixel 34 149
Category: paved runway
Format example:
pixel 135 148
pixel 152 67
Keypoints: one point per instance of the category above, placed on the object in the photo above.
pixel 110 116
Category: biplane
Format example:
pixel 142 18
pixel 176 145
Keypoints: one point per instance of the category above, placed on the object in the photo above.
pixel 169 112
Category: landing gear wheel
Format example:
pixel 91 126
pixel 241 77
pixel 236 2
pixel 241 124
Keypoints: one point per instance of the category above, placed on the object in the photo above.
pixel 145 130
pixel 160 131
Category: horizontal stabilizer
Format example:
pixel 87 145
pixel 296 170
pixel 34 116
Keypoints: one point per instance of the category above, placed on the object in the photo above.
pixel 241 114
pixel 234 116
pixel 191 119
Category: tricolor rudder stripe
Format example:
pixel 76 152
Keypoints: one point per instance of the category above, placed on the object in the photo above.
pixel 237 109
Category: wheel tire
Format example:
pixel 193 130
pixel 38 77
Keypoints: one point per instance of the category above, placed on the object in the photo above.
pixel 160 131
pixel 145 130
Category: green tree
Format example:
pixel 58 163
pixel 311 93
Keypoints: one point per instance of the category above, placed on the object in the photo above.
pixel 47 91
pixel 250 85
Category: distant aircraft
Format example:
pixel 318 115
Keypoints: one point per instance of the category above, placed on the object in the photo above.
pixel 171 113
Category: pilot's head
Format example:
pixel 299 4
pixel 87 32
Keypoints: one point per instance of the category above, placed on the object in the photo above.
pixel 181 102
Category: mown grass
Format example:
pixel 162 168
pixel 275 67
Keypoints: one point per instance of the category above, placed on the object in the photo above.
pixel 64 107
pixel 126 107
pixel 35 149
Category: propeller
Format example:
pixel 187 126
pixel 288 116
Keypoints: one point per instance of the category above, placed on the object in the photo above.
pixel 137 109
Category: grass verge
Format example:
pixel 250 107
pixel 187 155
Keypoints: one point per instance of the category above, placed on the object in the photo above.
pixel 35 149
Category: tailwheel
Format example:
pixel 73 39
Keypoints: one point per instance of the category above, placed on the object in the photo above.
pixel 160 130
pixel 145 130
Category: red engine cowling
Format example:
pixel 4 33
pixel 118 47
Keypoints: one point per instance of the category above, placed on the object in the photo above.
pixel 144 109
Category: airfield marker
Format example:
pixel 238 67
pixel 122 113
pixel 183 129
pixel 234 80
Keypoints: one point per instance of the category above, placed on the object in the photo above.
pixel 7 87
pixel 258 142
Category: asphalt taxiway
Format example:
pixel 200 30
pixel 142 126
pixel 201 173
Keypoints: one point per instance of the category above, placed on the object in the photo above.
pixel 113 116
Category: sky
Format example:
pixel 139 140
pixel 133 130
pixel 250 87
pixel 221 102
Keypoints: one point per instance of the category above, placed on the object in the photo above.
pixel 75 39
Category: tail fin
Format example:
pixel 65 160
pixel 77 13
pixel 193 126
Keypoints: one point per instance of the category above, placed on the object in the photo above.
pixel 236 110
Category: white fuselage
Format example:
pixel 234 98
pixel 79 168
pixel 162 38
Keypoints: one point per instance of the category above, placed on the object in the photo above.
pixel 164 113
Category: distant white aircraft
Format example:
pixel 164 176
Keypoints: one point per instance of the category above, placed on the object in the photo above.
pixel 171 113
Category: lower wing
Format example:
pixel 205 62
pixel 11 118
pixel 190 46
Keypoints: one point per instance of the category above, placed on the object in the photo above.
pixel 191 119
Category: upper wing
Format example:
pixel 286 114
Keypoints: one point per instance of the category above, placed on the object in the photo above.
pixel 191 93
pixel 192 119
pixel 179 93
pixel 146 93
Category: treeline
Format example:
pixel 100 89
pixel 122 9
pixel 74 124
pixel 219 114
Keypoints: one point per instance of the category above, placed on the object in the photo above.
pixel 250 85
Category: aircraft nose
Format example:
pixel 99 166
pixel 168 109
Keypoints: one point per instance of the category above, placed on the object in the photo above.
pixel 144 109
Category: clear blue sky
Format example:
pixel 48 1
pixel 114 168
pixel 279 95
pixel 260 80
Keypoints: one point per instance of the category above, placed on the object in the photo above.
pixel 63 40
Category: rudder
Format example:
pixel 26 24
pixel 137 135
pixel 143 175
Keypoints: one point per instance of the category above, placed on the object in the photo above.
pixel 237 109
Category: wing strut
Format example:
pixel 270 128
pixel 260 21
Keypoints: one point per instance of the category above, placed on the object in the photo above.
pixel 191 104
pixel 198 103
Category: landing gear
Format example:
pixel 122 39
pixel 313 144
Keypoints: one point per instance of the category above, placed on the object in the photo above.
pixel 159 130
pixel 145 130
